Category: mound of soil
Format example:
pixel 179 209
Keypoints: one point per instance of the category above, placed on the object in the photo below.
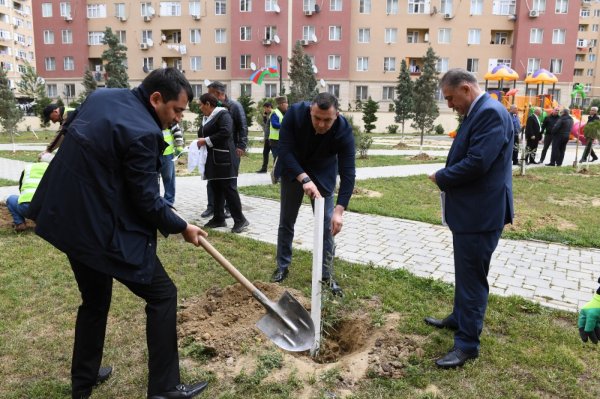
pixel 422 157
pixel 401 146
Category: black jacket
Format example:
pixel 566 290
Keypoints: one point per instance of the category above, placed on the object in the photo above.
pixel 99 200
pixel 548 124
pixel 221 159
pixel 563 126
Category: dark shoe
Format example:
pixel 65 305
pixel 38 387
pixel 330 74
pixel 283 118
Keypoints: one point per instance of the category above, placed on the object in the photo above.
pixel 441 323
pixel 207 213
pixel 239 227
pixel 550 164
pixel 19 228
pixel 334 287
pixel 594 159
pixel 262 170
pixel 213 224
pixel 454 358
pixel 181 391
pixel 103 374
pixel 227 213
pixel 279 275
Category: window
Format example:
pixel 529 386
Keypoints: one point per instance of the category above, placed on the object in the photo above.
pixel 335 33
pixel 195 63
pixel 147 9
pixel 50 63
pixel 388 93
pixel 308 33
pixel 245 5
pixel 558 36
pixel 148 64
pixel 595 28
pixel 69 64
pixel 220 7
pixel 308 5
pixel 245 60
pixel 96 10
pixel 578 72
pixel 593 42
pixel 195 8
pixel 539 6
pixel 48 37
pixel 442 65
pixel 412 36
pixel 270 90
pixel 362 64
pixel 197 90
pixel 476 7
pixel 474 36
pixel 389 64
pixel 95 38
pixel 195 36
pixel 592 57
pixel 536 36
pixel 556 65
pixel 391 7
pixel 46 10
pixel 444 35
pixel 147 36
pixel 596 13
pixel 473 65
pixel 507 61
pixel 583 13
pixel 67 36
pixel 364 35
pixel 270 60
pixel 590 72
pixel 65 9
pixel 364 6
pixel 120 10
pixel 220 36
pixel 533 64
pixel 582 28
pixel 334 89
pixel 334 62
pixel 390 35
pixel 581 43
pixel 221 63
pixel 500 38
pixel 446 7
pixel 246 89
pixel 362 93
pixel 270 5
pixel 245 33
pixel 170 9
pixel 504 7
pixel 418 6
pixel 52 90
pixel 562 6
pixel 579 57
pixel 270 32
pixel 122 36
pixel 335 5
pixel 69 90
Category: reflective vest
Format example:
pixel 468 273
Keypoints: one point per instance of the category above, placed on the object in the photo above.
pixel 31 179
pixel 65 113
pixel 273 132
pixel 168 136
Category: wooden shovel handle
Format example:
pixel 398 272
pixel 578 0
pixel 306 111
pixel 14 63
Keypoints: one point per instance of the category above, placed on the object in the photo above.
pixel 227 265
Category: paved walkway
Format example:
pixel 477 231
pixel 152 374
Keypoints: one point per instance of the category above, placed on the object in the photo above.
pixel 551 274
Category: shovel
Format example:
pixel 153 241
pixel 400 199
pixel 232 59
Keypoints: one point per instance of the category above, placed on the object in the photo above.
pixel 286 323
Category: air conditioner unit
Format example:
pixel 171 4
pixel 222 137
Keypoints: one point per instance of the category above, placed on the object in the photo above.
pixel 147 18
pixel 266 42
pixel 144 46
pixel 122 18
pixel 533 13
pixel 196 17
pixel 68 18
pixel 308 13
pixel 447 16
pixel 304 42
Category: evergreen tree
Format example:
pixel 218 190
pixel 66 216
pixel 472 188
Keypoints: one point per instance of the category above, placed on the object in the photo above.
pixel 425 104
pixel 10 113
pixel 89 83
pixel 247 104
pixel 303 85
pixel 33 86
pixel 369 109
pixel 404 96
pixel 114 58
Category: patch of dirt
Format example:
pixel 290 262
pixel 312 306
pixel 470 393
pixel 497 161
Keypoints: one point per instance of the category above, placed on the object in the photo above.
pixel 538 222
pixel 363 192
pixel 223 321
pixel 577 200
pixel 422 157
pixel 401 146
pixel 6 221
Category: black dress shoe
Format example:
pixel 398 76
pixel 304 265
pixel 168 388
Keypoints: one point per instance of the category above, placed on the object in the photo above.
pixel 550 164
pixel 334 287
pixel 262 170
pixel 103 374
pixel 441 323
pixel 207 213
pixel 279 275
pixel 181 391
pixel 239 227
pixel 213 224
pixel 454 358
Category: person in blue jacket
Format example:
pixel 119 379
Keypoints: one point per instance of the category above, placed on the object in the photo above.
pixel 316 144
pixel 99 202
pixel 477 182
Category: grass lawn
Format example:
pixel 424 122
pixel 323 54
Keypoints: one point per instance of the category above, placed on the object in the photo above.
pixel 527 351
pixel 27 156
pixel 551 204
pixel 43 136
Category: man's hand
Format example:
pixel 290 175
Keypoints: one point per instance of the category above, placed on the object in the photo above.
pixel 589 320
pixel 337 219
pixel 239 152
pixel 311 190
pixel 432 177
pixel 201 141
pixel 193 233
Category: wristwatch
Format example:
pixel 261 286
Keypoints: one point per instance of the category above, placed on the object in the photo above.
pixel 306 180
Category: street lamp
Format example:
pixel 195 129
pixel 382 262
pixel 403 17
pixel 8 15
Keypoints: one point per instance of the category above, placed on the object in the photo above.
pixel 280 61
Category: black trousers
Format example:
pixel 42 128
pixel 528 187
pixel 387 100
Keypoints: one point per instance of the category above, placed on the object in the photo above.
pixel 265 153
pixel 226 189
pixel 90 328
pixel 559 145
pixel 588 151
pixel 210 194
pixel 532 145
pixel 547 142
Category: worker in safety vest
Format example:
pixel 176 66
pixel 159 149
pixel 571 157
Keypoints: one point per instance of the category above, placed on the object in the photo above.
pixel 18 205
pixel 174 139
pixel 275 122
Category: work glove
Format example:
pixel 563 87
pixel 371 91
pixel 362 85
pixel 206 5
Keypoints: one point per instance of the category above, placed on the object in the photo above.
pixel 589 319
pixel 178 151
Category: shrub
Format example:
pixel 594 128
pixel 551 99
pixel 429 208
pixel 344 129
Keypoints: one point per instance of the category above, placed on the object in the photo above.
pixel 439 129
pixel 392 129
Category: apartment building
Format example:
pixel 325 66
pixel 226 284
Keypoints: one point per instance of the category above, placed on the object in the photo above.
pixel 356 45
pixel 16 38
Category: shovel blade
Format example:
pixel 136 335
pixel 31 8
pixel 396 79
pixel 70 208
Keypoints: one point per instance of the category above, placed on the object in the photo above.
pixel 288 324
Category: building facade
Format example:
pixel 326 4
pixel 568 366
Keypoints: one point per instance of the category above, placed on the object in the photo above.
pixel 16 38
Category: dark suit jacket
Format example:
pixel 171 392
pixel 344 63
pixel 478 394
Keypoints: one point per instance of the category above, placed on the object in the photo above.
pixel 99 200
pixel 563 126
pixel 477 178
pixel 533 128
pixel 221 158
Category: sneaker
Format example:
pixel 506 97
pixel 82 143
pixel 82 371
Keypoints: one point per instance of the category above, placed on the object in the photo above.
pixel 213 224
pixel 239 227
pixel 207 213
